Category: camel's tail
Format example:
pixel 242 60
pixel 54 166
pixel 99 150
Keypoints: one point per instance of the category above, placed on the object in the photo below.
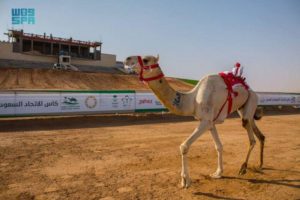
pixel 258 113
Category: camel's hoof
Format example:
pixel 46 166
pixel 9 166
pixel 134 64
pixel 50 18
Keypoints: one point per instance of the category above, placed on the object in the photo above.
pixel 185 182
pixel 243 169
pixel 216 175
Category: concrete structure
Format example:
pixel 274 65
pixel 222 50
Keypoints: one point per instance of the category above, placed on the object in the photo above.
pixel 37 48
pixel 49 45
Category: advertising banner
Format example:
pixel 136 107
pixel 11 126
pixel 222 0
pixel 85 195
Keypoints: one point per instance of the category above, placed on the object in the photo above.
pixel 60 103
pixel 117 102
pixel 23 103
pixel 278 99
pixel 147 101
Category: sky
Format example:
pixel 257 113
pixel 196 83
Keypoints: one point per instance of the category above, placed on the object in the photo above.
pixel 193 38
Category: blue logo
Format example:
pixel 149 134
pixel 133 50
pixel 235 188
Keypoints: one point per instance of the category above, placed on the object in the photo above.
pixel 22 16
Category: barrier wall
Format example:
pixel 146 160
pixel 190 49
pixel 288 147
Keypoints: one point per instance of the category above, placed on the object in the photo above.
pixel 20 103
pixel 65 102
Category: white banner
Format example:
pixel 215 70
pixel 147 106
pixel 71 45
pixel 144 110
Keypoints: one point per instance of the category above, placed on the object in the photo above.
pixel 147 101
pixel 43 103
pixel 23 103
pixel 278 99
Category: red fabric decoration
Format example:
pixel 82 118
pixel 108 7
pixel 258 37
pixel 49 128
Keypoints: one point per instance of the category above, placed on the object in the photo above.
pixel 230 80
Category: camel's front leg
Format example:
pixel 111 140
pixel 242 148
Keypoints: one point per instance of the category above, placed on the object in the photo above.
pixel 184 147
pixel 219 148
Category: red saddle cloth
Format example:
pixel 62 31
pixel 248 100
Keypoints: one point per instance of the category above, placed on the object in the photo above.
pixel 231 80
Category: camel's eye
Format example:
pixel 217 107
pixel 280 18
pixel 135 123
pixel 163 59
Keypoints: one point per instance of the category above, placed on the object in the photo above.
pixel 145 60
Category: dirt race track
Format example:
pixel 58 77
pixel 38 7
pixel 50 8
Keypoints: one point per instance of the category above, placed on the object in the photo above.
pixel 136 158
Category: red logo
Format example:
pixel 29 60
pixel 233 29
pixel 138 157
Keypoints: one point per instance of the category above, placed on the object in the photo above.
pixel 145 101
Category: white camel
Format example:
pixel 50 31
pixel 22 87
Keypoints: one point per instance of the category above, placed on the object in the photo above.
pixel 210 101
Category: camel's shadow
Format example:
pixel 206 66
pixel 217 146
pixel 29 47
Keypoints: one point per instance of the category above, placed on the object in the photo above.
pixel 293 183
pixel 207 194
pixel 283 182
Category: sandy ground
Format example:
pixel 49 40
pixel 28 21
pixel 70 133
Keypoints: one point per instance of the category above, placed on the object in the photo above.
pixel 90 158
pixel 14 78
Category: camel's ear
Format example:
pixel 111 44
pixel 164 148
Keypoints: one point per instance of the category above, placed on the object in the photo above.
pixel 157 58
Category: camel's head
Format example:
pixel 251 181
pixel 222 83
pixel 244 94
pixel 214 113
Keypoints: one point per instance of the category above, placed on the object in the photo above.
pixel 147 67
pixel 133 62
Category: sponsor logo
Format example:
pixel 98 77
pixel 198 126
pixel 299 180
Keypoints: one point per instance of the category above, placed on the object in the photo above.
pixel 126 101
pixel 293 100
pixel 145 101
pixel 158 103
pixel 22 16
pixel 262 100
pixel 151 102
pixel 298 99
pixel 115 103
pixel 90 102
pixel 70 103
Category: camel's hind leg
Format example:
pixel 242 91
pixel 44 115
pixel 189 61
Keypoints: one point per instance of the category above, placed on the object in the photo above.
pixel 247 113
pixel 247 124
pixel 261 138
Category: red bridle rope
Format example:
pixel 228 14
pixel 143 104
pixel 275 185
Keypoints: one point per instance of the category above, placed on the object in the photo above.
pixel 159 76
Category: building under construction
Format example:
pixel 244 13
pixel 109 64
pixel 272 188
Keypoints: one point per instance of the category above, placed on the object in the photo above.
pixel 49 45
pixel 30 50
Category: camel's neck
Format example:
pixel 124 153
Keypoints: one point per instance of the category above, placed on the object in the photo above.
pixel 177 102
